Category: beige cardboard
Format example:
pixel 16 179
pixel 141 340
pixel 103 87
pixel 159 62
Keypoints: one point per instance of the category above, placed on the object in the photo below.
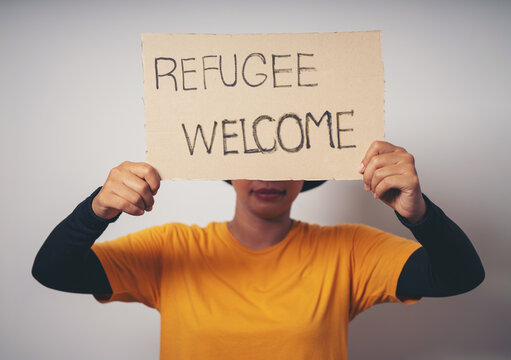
pixel 336 77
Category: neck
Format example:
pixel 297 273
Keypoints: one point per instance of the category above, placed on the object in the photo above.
pixel 258 233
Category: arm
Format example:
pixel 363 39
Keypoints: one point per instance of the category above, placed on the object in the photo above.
pixel 65 261
pixel 447 264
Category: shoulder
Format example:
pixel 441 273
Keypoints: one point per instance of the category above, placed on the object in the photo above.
pixel 335 235
pixel 348 235
pixel 170 234
pixel 176 228
pixel 183 235
pixel 370 240
pixel 327 230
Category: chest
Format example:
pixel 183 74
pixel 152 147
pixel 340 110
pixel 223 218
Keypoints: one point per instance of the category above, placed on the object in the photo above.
pixel 233 294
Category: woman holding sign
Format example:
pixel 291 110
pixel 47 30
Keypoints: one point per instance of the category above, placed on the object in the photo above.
pixel 261 286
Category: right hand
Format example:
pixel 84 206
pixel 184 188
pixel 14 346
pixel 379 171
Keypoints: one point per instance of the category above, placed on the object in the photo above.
pixel 130 188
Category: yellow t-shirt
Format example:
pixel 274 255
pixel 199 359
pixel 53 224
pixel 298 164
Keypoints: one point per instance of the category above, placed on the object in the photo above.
pixel 221 300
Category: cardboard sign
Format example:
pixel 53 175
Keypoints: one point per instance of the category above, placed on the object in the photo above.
pixel 262 106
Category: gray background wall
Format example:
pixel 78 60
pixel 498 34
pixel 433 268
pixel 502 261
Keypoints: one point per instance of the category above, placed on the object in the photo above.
pixel 71 108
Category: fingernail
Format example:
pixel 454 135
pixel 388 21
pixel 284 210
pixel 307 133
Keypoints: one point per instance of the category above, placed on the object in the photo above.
pixel 366 188
pixel 361 168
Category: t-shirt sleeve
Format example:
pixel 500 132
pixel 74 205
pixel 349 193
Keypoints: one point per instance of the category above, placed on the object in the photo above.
pixel 376 261
pixel 133 265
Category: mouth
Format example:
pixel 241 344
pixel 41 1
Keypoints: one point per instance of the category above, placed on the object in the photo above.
pixel 268 194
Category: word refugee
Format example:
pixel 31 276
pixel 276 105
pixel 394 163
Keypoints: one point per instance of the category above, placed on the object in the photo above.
pixel 282 67
pixel 302 127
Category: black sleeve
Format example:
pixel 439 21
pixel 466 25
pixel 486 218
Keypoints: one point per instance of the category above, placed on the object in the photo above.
pixel 66 262
pixel 446 264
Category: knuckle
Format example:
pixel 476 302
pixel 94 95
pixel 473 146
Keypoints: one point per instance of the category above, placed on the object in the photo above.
pixel 124 204
pixel 144 173
pixel 115 172
pixel 366 177
pixel 378 175
pixel 142 167
pixel 150 202
pixel 375 145
pixel 376 160
pixel 140 187
pixel 139 200
pixel 145 187
pixel 384 184
pixel 415 181
pixel 145 168
pixel 409 158
pixel 367 180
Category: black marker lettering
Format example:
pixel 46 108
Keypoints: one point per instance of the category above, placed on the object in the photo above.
pixel 309 117
pixel 157 72
pixel 256 137
pixel 204 68
pixel 299 122
pixel 197 130
pixel 246 151
pixel 278 71
pixel 260 56
pixel 339 130
pixel 183 72
pixel 301 68
pixel 226 136
pixel 235 72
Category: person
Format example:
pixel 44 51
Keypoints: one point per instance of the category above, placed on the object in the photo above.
pixel 262 285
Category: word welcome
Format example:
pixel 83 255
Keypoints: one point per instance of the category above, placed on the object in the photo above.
pixel 232 128
pixel 194 71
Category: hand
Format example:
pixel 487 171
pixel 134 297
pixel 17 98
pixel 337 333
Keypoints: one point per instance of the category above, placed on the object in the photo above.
pixel 130 187
pixel 389 172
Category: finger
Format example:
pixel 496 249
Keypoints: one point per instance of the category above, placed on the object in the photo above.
pixel 141 187
pixel 377 148
pixel 398 182
pixel 378 162
pixel 148 173
pixel 387 171
pixel 124 205
pixel 124 192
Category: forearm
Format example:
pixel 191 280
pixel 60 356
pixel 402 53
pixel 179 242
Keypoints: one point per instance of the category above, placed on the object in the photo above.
pixel 447 264
pixel 65 261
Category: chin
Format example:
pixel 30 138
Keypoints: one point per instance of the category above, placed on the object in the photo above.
pixel 267 199
pixel 271 214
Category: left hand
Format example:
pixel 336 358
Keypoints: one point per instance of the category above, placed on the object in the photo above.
pixel 389 172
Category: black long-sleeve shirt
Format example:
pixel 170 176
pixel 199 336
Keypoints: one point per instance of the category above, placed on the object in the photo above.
pixel 446 264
